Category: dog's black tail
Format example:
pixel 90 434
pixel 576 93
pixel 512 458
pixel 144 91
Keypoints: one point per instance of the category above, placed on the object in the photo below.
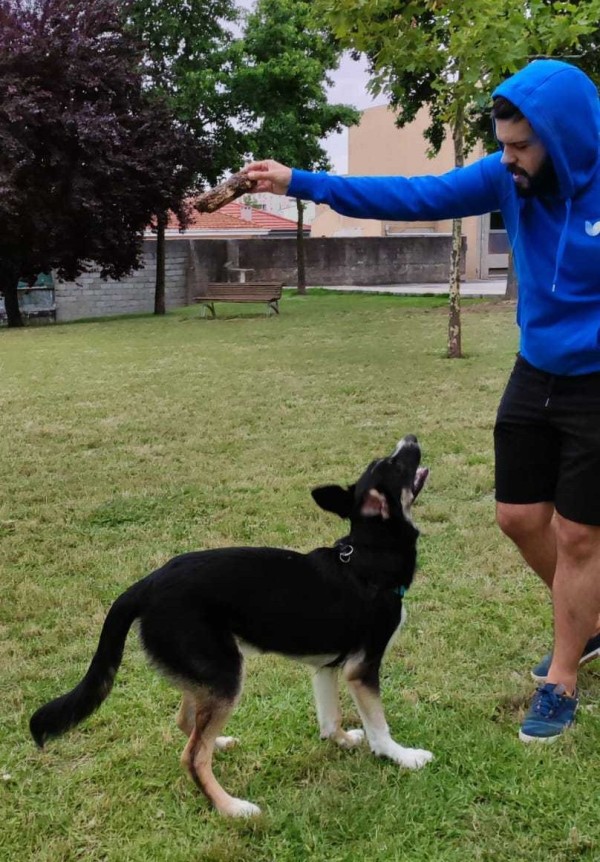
pixel 65 712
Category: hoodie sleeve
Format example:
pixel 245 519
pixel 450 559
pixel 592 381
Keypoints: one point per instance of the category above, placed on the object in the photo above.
pixel 472 190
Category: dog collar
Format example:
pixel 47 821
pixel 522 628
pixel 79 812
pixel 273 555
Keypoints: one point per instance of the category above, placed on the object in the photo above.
pixel 344 555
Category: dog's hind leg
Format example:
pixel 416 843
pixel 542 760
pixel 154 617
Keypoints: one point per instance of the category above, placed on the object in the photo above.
pixel 186 717
pixel 211 713
pixel 363 683
pixel 325 688
pixel 186 721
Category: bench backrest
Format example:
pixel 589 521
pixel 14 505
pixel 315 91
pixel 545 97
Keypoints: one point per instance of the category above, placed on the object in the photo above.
pixel 261 291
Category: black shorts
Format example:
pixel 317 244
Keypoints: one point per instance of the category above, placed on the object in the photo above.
pixel 547 442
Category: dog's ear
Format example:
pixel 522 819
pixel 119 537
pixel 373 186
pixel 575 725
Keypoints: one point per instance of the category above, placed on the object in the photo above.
pixel 334 498
pixel 374 504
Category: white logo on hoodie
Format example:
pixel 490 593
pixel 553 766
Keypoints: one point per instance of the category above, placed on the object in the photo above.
pixel 592 228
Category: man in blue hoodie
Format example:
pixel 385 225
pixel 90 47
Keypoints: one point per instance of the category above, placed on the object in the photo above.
pixel 546 181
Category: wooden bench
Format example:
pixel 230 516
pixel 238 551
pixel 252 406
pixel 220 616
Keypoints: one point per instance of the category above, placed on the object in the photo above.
pixel 250 291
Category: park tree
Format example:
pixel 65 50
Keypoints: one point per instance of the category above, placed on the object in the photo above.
pixel 448 57
pixel 190 60
pixel 86 155
pixel 585 54
pixel 287 57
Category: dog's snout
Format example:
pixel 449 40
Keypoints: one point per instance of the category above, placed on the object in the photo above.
pixel 409 441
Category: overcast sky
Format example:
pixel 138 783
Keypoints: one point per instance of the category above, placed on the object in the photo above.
pixel 349 88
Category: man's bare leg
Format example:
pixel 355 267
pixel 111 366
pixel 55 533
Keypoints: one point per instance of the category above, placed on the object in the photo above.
pixel 537 531
pixel 531 528
pixel 576 597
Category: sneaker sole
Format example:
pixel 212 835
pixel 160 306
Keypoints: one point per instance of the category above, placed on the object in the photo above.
pixel 586 658
pixel 545 740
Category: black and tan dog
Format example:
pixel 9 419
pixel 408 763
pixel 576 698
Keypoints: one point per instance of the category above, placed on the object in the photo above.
pixel 334 608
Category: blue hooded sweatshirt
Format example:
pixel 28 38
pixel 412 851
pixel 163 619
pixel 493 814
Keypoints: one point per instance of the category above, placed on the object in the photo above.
pixel 555 239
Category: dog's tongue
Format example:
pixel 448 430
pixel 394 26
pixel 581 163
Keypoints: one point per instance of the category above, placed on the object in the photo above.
pixel 420 479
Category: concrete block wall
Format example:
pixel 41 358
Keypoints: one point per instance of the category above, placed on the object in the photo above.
pixel 92 296
pixel 360 261
pixel 190 263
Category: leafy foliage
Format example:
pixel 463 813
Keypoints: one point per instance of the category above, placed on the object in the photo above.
pixel 288 55
pixel 449 56
pixel 86 155
pixel 190 59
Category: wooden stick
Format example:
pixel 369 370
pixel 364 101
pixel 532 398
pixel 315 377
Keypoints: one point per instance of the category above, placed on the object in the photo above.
pixel 236 186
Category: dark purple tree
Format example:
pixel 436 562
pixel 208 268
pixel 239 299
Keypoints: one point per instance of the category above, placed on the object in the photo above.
pixel 87 156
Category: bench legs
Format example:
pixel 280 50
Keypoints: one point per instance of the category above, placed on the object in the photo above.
pixel 272 307
pixel 211 307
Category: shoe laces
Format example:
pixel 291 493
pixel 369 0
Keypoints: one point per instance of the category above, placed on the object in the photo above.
pixel 548 700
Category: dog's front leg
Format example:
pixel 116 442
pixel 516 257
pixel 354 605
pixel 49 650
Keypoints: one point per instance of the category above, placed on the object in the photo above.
pixel 325 687
pixel 363 683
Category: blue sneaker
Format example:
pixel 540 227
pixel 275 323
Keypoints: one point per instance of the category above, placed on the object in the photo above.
pixel 550 714
pixel 591 651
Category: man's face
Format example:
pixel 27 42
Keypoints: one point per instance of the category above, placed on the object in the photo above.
pixel 526 158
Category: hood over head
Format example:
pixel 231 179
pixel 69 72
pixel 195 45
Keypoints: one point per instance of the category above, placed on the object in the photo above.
pixel 562 106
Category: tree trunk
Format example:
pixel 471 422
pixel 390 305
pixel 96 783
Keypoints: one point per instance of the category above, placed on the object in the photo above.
pixel 454 324
pixel 159 288
pixel 454 321
pixel 300 248
pixel 9 281
pixel 512 285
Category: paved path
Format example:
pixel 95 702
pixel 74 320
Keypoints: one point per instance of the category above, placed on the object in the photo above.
pixel 489 287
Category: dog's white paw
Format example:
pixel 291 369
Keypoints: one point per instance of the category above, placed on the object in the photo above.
pixel 409 758
pixel 344 738
pixel 416 758
pixel 240 808
pixel 413 758
pixel 351 738
pixel 224 742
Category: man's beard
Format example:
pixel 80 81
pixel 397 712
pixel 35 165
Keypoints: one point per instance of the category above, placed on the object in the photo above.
pixel 543 184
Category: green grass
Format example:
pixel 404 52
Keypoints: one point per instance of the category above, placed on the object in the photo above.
pixel 126 441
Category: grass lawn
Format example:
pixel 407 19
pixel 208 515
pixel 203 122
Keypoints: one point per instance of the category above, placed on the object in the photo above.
pixel 124 442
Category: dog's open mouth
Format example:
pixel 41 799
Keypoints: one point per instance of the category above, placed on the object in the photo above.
pixel 420 479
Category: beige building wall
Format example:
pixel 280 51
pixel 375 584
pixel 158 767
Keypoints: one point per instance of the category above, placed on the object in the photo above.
pixel 378 147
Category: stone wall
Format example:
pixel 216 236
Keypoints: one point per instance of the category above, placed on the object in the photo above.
pixel 92 296
pixel 352 260
pixel 331 261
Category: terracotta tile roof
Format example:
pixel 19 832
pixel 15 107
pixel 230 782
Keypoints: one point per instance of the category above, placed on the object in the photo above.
pixel 231 218
pixel 219 220
pixel 258 217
